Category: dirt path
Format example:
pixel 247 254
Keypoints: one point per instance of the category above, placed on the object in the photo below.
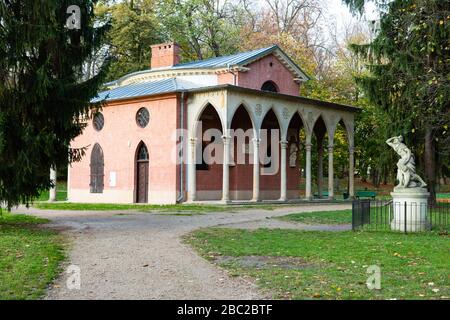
pixel 141 256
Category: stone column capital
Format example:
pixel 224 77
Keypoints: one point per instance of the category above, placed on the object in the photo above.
pixel 284 144
pixel 330 148
pixel 256 141
pixel 351 150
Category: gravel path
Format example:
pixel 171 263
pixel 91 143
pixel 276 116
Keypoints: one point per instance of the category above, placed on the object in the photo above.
pixel 141 255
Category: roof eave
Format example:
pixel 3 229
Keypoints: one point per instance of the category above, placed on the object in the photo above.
pixel 278 95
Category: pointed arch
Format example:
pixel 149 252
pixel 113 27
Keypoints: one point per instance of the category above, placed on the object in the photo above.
pixel 270 151
pixel 141 152
pixel 209 149
pixel 242 133
pixel 141 160
pixel 302 119
pixel 320 129
pixel 250 114
pixel 271 109
pixel 207 105
pixel 296 142
pixel 97 169
pixel 348 130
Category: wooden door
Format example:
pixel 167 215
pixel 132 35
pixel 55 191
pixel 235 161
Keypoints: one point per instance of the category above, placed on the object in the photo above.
pixel 142 174
pixel 142 182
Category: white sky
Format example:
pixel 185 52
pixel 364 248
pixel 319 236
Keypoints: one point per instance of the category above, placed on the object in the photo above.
pixel 337 9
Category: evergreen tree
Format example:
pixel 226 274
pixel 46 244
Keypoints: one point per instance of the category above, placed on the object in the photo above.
pixel 409 64
pixel 43 102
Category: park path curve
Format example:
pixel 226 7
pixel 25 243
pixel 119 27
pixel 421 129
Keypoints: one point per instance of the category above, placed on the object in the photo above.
pixel 134 255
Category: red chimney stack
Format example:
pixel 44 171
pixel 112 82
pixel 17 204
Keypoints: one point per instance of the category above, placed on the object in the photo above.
pixel 165 55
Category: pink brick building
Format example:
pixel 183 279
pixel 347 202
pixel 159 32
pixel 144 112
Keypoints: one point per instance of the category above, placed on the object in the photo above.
pixel 162 134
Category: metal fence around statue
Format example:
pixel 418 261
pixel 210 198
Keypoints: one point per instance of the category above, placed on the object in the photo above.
pixel 399 216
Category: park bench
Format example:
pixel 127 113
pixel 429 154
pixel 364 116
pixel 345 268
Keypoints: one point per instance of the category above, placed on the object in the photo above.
pixel 365 194
pixel 324 194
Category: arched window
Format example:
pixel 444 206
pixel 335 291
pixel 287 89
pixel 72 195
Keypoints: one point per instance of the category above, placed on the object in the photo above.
pixel 142 153
pixel 269 86
pixel 97 169
pixel 142 173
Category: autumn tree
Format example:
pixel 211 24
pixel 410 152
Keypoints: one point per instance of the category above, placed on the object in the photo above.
pixel 202 28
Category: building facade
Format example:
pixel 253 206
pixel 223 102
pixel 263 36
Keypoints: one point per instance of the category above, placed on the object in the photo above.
pixel 162 133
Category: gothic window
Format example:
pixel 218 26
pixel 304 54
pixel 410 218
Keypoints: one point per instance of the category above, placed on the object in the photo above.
pixel 143 153
pixel 97 169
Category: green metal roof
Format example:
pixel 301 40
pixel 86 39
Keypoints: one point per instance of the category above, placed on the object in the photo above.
pixel 145 89
pixel 238 59
pixel 225 61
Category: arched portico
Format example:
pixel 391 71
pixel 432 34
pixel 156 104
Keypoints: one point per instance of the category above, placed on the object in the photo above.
pixel 241 165
pixel 320 131
pixel 206 156
pixel 298 125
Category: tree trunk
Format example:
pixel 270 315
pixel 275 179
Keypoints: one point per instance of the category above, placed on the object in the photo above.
pixel 430 164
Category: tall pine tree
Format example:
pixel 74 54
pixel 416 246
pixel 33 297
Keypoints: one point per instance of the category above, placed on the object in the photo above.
pixel 409 64
pixel 43 101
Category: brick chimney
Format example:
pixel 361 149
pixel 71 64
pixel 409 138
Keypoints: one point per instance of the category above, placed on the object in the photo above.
pixel 165 55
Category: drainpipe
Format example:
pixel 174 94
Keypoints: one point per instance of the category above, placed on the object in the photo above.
pixel 181 153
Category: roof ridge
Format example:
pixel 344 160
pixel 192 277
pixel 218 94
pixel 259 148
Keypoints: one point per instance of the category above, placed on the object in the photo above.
pixel 224 57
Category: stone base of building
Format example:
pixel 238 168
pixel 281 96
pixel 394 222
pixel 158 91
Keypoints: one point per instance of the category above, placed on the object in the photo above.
pixel 410 207
pixel 120 196
pixel 245 195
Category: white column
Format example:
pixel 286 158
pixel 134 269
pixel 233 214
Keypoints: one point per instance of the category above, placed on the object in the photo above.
pixel 308 171
pixel 192 170
pixel 283 185
pixel 52 190
pixel 256 167
pixel 351 173
pixel 226 169
pixel 320 166
pixel 330 173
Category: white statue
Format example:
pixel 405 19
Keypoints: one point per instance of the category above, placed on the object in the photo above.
pixel 406 168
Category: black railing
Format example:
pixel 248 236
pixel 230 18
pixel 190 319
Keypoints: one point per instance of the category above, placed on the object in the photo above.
pixel 399 216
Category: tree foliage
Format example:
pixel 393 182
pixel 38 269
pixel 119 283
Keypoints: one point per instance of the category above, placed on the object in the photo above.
pixel 134 29
pixel 409 66
pixel 43 103
pixel 202 28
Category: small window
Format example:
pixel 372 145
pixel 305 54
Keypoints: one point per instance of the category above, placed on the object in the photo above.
pixel 99 121
pixel 143 153
pixel 97 169
pixel 269 86
pixel 142 117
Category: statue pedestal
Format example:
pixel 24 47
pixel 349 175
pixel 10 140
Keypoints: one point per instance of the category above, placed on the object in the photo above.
pixel 410 209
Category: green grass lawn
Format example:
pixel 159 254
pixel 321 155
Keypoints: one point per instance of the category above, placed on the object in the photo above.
pixel 320 217
pixel 30 257
pixel 332 265
pixel 61 192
